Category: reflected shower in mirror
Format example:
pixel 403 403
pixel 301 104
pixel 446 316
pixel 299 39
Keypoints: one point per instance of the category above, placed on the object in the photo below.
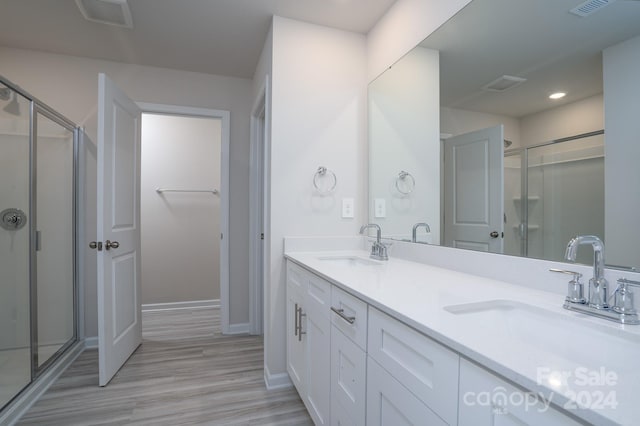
pixel 518 122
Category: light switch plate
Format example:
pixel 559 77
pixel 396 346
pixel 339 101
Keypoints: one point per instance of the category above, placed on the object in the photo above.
pixel 379 207
pixel 347 208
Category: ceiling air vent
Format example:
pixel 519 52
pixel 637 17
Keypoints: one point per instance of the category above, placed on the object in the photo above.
pixel 111 12
pixel 503 83
pixel 590 6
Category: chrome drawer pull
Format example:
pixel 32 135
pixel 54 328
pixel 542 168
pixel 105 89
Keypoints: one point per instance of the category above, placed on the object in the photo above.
pixel 341 314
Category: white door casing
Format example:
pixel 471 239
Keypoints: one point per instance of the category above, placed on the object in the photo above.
pixel 118 218
pixel 225 118
pixel 473 190
pixel 258 187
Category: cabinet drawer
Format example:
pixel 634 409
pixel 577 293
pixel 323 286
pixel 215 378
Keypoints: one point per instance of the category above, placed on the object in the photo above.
pixel 318 297
pixel 295 276
pixel 498 408
pixel 425 367
pixel 352 307
pixel 348 381
pixel 391 404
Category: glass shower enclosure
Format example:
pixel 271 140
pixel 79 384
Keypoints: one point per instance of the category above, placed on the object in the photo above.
pixel 545 186
pixel 38 290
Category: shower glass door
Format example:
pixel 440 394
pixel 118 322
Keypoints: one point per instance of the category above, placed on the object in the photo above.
pixel 15 219
pixel 563 179
pixel 54 301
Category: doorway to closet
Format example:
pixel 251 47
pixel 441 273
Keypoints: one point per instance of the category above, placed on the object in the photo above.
pixel 183 218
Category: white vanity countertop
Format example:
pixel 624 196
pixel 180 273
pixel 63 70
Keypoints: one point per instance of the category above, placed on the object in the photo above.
pixel 529 339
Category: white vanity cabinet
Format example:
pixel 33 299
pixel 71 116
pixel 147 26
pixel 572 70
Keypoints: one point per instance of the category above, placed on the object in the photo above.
pixel 309 340
pixel 488 400
pixel 419 365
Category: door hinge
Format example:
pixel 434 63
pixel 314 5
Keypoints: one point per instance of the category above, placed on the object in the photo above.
pixel 221 236
pixel 262 235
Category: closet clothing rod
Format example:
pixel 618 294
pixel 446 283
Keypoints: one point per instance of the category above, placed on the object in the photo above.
pixel 213 191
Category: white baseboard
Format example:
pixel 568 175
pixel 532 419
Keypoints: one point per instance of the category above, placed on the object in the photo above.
pixel 91 342
pixel 193 304
pixel 243 328
pixel 16 409
pixel 276 381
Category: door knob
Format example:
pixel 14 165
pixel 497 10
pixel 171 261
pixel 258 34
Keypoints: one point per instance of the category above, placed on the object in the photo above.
pixel 96 245
pixel 494 234
pixel 111 244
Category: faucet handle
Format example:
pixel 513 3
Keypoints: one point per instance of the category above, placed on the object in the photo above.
pixel 575 289
pixel 624 303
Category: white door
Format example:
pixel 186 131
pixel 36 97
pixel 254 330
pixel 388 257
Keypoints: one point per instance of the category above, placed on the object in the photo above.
pixel 473 190
pixel 118 193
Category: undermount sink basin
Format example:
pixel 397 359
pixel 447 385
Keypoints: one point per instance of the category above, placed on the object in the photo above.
pixel 348 261
pixel 521 325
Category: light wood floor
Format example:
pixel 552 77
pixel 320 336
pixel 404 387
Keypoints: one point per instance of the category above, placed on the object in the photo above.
pixel 185 373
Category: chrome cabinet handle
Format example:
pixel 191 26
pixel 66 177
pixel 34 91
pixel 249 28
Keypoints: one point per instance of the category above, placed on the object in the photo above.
pixel 111 245
pixel 341 314
pixel 300 332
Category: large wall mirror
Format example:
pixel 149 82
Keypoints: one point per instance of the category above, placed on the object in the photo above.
pixel 512 128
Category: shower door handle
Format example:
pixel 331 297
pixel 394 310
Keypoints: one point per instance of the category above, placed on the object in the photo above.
pixel 111 245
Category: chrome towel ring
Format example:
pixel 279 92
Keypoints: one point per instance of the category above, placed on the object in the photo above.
pixel 323 174
pixel 405 183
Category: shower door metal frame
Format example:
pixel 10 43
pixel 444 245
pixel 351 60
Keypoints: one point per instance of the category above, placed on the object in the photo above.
pixel 46 111
pixel 38 107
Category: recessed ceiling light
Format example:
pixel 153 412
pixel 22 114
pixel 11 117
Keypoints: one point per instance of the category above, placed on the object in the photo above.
pixel 557 95
pixel 111 12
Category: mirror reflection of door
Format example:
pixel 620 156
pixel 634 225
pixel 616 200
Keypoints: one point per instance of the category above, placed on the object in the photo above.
pixel 473 190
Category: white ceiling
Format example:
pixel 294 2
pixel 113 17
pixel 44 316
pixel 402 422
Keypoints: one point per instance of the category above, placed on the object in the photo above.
pixel 538 40
pixel 223 37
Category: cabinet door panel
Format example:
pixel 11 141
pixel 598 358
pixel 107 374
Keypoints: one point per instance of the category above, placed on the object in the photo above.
pixel 296 349
pixel 478 410
pixel 318 340
pixel 348 380
pixel 391 404
pixel 425 367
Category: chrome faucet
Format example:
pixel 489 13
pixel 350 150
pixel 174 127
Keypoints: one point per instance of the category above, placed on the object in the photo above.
pixel 597 303
pixel 415 229
pixel 597 284
pixel 378 249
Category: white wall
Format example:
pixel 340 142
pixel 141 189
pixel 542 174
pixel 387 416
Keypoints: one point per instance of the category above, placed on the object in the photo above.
pixel 70 85
pixel 583 116
pixel 405 24
pixel 622 147
pixel 456 121
pixel 318 119
pixel 404 134
pixel 180 231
